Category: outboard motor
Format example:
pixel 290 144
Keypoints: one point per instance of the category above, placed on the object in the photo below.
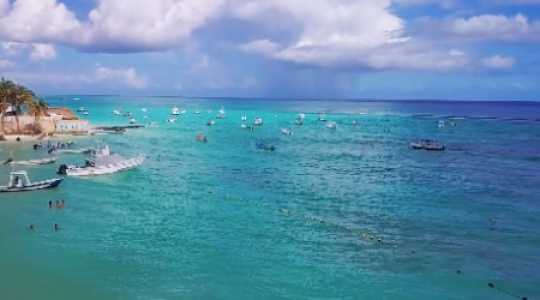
pixel 62 169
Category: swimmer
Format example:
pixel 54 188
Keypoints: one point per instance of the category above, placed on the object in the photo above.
pixel 50 204
pixel 58 206
pixel 31 227
pixel 63 203
pixel 56 227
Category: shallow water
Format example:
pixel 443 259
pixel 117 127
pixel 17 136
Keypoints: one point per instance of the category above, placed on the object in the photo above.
pixel 203 220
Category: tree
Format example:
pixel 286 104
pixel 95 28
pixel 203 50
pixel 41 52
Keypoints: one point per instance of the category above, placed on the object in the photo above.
pixel 22 99
pixel 7 88
pixel 38 109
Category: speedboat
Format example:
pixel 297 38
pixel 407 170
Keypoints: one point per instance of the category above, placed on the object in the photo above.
pixel 86 113
pixel 243 118
pixel 285 131
pixel 143 109
pixel 322 117
pixel 175 111
pixel 19 182
pixel 221 115
pixel 171 120
pixel 116 112
pixel 46 160
pixel 100 162
pixel 298 121
pixel 258 121
pixel 81 109
pixel 331 125
pixel 301 116
pixel 132 121
pixel 201 138
pixel 210 122
pixel 244 126
pixel 128 114
pixel 441 124
pixel 427 144
pixel 197 112
pixel 222 111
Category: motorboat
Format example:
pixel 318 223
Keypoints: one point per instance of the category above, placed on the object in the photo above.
pixel 331 125
pixel 258 121
pixel 72 151
pixel 132 121
pixel 171 120
pixel 244 126
pixel 42 161
pixel 210 122
pixel 86 113
pixel 175 111
pixel 101 161
pixel 301 116
pixel 81 109
pixel 183 111
pixel 197 112
pixel 441 124
pixel 285 131
pixel 222 111
pixel 427 144
pixel 201 138
pixel 262 146
pixel 143 109
pixel 128 114
pixel 322 117
pixel 243 118
pixel 116 112
pixel 19 182
pixel 298 121
pixel 221 115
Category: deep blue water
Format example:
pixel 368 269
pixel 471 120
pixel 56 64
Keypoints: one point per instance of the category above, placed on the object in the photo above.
pixel 224 220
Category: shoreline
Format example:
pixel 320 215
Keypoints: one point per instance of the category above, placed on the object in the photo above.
pixel 12 138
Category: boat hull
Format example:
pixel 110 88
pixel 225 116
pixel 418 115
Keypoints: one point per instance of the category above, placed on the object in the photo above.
pixel 32 162
pixel 110 169
pixel 46 184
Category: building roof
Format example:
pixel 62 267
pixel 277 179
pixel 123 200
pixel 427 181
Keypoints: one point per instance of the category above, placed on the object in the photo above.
pixel 66 113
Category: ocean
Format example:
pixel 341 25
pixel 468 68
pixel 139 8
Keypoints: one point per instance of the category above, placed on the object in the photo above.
pixel 350 213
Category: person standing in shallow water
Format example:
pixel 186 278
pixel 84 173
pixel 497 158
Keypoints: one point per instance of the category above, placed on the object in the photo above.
pixel 58 204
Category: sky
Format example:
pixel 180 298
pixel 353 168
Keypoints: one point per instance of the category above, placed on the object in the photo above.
pixel 364 49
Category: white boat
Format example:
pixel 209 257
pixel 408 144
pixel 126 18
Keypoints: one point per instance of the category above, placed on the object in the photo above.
pixel 197 112
pixel 143 109
pixel 243 118
pixel 183 111
pixel 132 121
pixel 301 116
pixel 210 122
pixel 171 120
pixel 72 151
pixel 258 121
pixel 46 160
pixel 441 124
pixel 19 182
pixel 322 117
pixel 331 125
pixel 175 111
pixel 221 116
pixel 285 131
pixel 81 109
pixel 222 111
pixel 298 121
pixel 86 113
pixel 101 162
pixel 427 144
pixel 244 126
pixel 116 112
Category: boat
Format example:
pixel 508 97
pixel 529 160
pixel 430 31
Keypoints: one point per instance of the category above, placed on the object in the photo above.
pixel 210 122
pixel 258 121
pixel 116 112
pixel 101 162
pixel 243 118
pixel 222 111
pixel 322 117
pixel 285 131
pixel 19 182
pixel 441 124
pixel 298 121
pixel 183 111
pixel 355 123
pixel 262 146
pixel 221 115
pixel 171 120
pixel 86 113
pixel 46 160
pixel 197 112
pixel 132 121
pixel 143 109
pixel 331 125
pixel 128 114
pixel 243 126
pixel 72 151
pixel 301 116
pixel 175 111
pixel 427 144
pixel 201 138
pixel 81 109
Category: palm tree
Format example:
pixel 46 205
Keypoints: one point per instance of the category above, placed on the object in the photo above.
pixel 22 99
pixel 37 109
pixel 6 94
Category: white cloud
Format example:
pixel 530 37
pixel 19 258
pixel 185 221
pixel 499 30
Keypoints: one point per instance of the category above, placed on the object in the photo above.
pixel 499 62
pixel 5 64
pixel 496 27
pixel 4 6
pixel 11 48
pixel 127 76
pixel 42 52
pixel 443 3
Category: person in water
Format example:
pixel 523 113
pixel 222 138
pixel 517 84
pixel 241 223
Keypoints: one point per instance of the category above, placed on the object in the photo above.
pixel 58 206
pixel 31 227
pixel 50 204
pixel 56 227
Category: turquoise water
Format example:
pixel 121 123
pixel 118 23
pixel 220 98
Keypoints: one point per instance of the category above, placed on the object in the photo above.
pixel 203 220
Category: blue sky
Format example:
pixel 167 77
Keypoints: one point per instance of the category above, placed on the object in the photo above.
pixel 391 49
